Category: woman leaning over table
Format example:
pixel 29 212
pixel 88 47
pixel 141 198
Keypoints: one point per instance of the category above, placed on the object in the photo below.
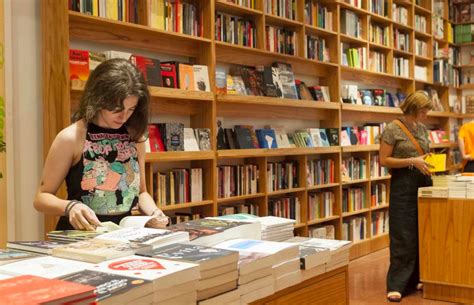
pixel 101 155
pixel 409 171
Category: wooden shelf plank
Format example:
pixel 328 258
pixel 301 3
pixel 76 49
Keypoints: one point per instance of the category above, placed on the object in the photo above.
pixel 379 207
pixel 467 87
pixel 235 9
pixel 265 152
pixel 422 11
pixel 361 211
pixel 130 35
pixel 286 191
pixel 352 39
pixel 322 220
pixel 280 21
pixel 322 186
pixel 359 148
pixel 423 35
pixel 424 59
pixel 237 198
pixel 357 181
pixel 375 179
pixel 309 29
pixel 169 156
pixel 373 78
pixel 440 145
pixel 440 114
pixel 185 205
pixel 371 109
pixel 376 46
pixel 271 101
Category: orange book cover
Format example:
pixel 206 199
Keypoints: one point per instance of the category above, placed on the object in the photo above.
pixel 186 77
pixel 29 289
pixel 78 64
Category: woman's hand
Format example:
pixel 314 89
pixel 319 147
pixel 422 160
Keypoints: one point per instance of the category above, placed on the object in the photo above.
pixel 159 220
pixel 421 164
pixel 81 217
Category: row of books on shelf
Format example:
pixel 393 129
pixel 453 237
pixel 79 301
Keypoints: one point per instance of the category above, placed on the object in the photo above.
pixel 170 74
pixel 378 62
pixel 378 194
pixel 239 208
pixel 401 40
pixel 378 34
pixel 464 33
pixel 462 12
pixel 318 15
pixel 353 57
pixel 225 260
pixel 420 23
pixel 363 135
pixel 400 14
pixel 421 48
pixel 355 228
pixel 280 40
pixel 175 137
pixel 245 137
pixel 281 8
pixel 320 171
pixel 401 67
pixel 235 30
pixel 316 48
pixel 286 207
pixel 376 170
pixel 245 3
pixel 379 7
pixel 282 175
pixel 444 73
pixel 120 10
pixel 350 23
pixel 353 169
pixel 237 180
pixel 177 186
pixel 351 94
pixel 320 205
pixel 438 136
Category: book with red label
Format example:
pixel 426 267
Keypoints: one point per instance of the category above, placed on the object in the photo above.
pixel 78 65
pixel 154 135
pixel 150 67
pixel 163 273
pixel 169 74
pixel 30 289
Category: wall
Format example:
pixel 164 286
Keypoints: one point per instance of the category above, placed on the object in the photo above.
pixel 23 27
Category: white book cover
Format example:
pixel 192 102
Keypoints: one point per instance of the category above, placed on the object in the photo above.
pixel 273 221
pixel 280 251
pixel 333 245
pixel 201 78
pixel 147 236
pixel 164 273
pixel 44 266
pixel 190 143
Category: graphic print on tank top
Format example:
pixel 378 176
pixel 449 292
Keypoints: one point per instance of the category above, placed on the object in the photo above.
pixel 110 178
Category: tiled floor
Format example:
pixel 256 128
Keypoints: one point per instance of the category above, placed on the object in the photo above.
pixel 367 282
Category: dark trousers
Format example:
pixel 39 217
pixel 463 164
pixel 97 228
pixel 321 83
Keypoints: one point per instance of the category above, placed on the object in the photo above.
pixel 469 167
pixel 404 273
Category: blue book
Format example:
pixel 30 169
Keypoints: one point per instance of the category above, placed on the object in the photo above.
pixel 266 138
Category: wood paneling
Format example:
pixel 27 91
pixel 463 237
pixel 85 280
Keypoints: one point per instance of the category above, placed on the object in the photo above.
pixel 3 139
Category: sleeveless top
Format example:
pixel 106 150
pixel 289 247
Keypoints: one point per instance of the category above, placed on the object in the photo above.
pixel 107 177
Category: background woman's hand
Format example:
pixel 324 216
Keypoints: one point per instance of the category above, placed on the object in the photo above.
pixel 421 164
pixel 159 220
pixel 82 217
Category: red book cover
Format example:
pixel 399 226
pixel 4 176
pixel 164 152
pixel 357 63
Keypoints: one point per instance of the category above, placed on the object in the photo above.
pixel 156 142
pixel 150 67
pixel 78 64
pixel 29 289
pixel 169 75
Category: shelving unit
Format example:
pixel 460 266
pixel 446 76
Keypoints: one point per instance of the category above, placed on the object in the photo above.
pixel 60 98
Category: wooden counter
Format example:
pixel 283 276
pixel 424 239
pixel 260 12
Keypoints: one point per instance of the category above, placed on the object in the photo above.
pixel 446 239
pixel 328 288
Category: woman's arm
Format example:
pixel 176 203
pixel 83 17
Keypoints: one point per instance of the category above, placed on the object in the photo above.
pixel 58 162
pixel 386 159
pixel 146 204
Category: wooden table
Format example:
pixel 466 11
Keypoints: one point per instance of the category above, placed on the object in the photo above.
pixel 328 288
pixel 446 239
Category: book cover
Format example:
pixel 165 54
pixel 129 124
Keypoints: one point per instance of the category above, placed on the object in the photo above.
pixel 147 236
pixel 201 78
pixel 244 137
pixel 266 138
pixel 37 246
pixel 174 136
pixel 333 136
pixel 150 67
pixel 97 250
pixel 203 136
pixel 287 79
pixel 169 74
pixel 437 162
pixel 10 256
pixel 44 266
pixel 190 142
pixel 186 77
pixel 221 81
pixel 78 65
pixel 206 257
pixel 324 137
pixel 303 91
pixel 108 286
pixel 30 289
pixel 271 85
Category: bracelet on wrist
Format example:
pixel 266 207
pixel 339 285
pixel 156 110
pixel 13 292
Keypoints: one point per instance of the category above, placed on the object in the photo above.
pixel 69 207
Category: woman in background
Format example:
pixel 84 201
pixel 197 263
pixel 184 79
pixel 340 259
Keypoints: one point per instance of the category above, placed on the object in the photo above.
pixel 101 156
pixel 403 146
pixel 466 146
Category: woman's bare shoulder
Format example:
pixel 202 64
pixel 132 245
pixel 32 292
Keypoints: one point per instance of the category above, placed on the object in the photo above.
pixel 72 134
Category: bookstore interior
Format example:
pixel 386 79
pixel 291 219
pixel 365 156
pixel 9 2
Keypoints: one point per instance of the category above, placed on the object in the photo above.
pixel 261 149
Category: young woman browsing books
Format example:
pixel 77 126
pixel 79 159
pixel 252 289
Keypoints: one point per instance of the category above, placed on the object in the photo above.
pixel 403 146
pixel 101 155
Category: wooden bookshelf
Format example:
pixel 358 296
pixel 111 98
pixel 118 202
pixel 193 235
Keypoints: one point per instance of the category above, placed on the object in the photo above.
pixel 61 28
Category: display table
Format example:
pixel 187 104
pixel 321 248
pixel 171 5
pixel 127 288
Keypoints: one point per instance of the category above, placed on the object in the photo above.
pixel 446 239
pixel 328 288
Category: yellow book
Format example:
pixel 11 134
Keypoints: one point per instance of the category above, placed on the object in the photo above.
pixel 95 8
pixel 438 161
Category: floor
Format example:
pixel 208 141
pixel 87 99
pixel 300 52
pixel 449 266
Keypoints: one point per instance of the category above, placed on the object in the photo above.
pixel 367 282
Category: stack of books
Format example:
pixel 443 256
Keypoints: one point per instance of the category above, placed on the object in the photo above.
pixel 218 267
pixel 433 192
pixel 113 288
pixel 276 228
pixel 72 235
pixel 29 289
pixel 338 251
pixel 172 281
pixel 36 246
pixel 313 258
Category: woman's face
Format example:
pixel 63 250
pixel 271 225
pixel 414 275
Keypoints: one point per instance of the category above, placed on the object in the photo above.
pixel 116 118
pixel 422 115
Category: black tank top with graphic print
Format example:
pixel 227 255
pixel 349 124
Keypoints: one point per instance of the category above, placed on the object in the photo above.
pixel 107 177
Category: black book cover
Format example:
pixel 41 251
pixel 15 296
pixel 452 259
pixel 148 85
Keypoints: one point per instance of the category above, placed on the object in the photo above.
pixel 244 137
pixel 269 83
pixel 230 138
pixel 333 136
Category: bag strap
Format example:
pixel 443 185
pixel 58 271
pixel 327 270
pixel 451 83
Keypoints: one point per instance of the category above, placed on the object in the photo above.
pixel 410 136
